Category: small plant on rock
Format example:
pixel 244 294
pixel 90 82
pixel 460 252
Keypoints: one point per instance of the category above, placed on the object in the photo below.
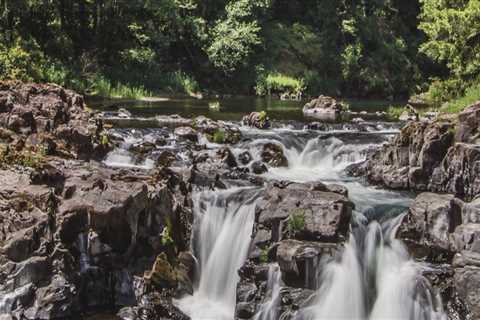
pixel 296 220
pixel 219 136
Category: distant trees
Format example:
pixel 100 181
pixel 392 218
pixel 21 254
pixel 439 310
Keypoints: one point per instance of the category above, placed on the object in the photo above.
pixel 370 48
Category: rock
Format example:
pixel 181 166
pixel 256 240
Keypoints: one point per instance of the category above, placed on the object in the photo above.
pixel 459 172
pixel 272 154
pixel 166 158
pixel 257 120
pixel 410 160
pixel 297 258
pixel 245 158
pixel 162 274
pixel 305 213
pixel 469 122
pixel 466 237
pixel 427 227
pixel 259 167
pixel 186 133
pixel 227 157
pixel 467 280
pixel 325 108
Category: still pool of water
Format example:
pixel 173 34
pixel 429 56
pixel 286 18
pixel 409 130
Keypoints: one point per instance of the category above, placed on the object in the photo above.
pixel 235 108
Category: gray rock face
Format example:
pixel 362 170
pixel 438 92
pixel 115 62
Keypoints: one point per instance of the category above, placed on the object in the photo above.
pixel 427 227
pixel 438 156
pixel 299 261
pixel 324 108
pixel 311 214
pixel 467 280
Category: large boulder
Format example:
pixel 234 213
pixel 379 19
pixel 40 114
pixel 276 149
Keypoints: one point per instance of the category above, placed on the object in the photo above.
pixel 429 224
pixel 467 280
pixel 324 108
pixel 273 155
pixel 468 129
pixel 304 212
pixel 257 120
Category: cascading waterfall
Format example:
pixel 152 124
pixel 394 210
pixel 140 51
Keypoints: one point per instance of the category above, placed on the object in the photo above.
pixel 375 280
pixel 223 225
pixel 268 310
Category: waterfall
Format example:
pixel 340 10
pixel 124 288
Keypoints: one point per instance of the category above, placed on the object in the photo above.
pixel 268 310
pixel 222 231
pixel 375 279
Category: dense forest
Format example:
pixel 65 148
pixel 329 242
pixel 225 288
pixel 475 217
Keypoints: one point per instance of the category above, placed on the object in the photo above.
pixel 369 48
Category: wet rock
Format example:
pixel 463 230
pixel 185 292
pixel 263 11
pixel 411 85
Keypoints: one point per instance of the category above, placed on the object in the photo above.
pixel 298 210
pixel 272 154
pixel 459 172
pixel 469 122
pixel 166 158
pixel 467 280
pixel 298 261
pixel 410 160
pixel 466 237
pixel 258 167
pixel 427 227
pixel 162 274
pixel 324 107
pixel 245 158
pixel 227 157
pixel 257 120
pixel 186 133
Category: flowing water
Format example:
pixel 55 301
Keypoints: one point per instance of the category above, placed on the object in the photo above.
pixel 373 279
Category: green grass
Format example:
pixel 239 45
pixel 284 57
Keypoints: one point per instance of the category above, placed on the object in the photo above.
pixel 472 94
pixel 179 82
pixel 279 83
pixel 105 88
pixel 394 112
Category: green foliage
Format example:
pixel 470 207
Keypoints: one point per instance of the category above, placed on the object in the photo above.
pixel 296 220
pixel 472 95
pixel 104 88
pixel 394 112
pixel 264 255
pixel 16 63
pixel 278 83
pixel 167 239
pixel 219 136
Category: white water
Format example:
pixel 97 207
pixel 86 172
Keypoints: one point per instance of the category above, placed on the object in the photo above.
pixel 268 310
pixel 374 279
pixel 381 272
pixel 223 225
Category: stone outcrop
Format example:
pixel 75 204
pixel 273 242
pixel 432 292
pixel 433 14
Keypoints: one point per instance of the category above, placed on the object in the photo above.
pixel 438 156
pixel 445 231
pixel 324 108
pixel 77 237
pixel 48 118
pixel 257 120
pixel 298 227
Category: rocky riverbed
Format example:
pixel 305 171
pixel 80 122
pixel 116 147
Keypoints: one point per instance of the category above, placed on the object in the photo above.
pixel 107 215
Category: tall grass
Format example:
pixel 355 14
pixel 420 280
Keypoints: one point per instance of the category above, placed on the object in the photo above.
pixel 179 82
pixel 472 94
pixel 105 88
pixel 278 83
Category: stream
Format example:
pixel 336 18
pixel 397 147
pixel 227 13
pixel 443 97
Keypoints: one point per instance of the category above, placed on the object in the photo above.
pixel 372 278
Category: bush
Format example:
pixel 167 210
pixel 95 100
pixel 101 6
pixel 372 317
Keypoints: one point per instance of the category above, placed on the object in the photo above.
pixel 16 63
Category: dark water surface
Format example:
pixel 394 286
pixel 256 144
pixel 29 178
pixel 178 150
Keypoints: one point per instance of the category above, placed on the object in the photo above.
pixel 235 108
